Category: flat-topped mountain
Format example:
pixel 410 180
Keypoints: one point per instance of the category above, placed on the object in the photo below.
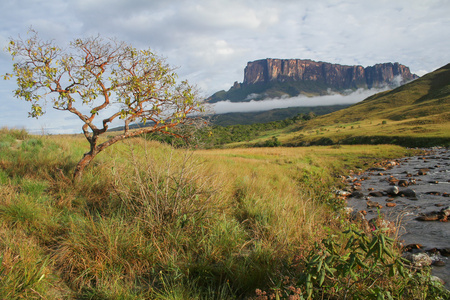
pixel 270 78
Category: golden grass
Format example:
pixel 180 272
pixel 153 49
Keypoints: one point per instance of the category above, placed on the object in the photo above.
pixel 150 221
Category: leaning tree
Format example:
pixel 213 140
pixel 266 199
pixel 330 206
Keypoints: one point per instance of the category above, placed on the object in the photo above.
pixel 103 78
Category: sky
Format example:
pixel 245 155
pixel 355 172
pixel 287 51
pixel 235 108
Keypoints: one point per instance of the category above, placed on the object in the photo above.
pixel 211 41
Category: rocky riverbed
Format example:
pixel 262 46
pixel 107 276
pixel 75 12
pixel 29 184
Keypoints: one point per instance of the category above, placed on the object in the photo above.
pixel 414 194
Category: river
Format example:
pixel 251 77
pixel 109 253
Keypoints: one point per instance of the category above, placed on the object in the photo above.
pixel 423 183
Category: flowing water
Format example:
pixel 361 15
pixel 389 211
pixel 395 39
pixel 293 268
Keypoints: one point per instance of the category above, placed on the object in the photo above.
pixel 429 176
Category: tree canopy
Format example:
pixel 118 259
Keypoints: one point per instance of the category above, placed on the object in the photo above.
pixel 98 76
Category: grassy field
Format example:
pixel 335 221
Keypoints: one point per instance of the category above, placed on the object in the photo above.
pixel 148 221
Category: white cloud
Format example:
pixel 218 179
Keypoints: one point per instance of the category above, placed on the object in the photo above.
pixel 299 101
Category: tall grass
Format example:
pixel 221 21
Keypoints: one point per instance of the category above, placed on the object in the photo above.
pixel 148 221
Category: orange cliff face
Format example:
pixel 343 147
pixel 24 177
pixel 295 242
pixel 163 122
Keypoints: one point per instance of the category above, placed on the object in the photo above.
pixel 334 75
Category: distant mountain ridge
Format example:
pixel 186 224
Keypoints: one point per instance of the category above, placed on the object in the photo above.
pixel 270 78
pixel 424 97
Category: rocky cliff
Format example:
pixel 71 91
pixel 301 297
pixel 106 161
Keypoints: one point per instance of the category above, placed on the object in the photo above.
pixel 277 77
pixel 334 75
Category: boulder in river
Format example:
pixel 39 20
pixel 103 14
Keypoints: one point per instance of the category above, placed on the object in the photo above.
pixel 376 194
pixel 376 169
pixel 403 182
pixel 445 252
pixel 408 193
pixel 342 193
pixel 441 215
pixel 438 263
pixel 373 204
pixel 392 191
pixel 418 260
pixel 357 194
pixel 423 171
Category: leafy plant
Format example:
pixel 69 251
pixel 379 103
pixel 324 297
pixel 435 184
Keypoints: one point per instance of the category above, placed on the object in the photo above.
pixel 356 264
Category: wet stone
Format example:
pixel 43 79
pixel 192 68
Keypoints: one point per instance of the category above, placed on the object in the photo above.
pixel 408 193
pixel 392 191
pixel 370 203
pixel 423 171
pixel 433 193
pixel 376 194
pixel 357 194
pixel 430 193
pixel 438 263
pixel 403 183
pixel 418 260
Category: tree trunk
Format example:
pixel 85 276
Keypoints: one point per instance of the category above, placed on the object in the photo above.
pixel 82 164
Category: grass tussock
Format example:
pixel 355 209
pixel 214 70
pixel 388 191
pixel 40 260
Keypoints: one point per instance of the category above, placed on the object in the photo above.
pixel 148 221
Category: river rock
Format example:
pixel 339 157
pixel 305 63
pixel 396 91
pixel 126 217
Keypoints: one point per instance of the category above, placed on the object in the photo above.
pixel 423 171
pixel 392 191
pixel 357 194
pixel 376 194
pixel 373 204
pixel 418 260
pixel 430 216
pixel 408 193
pixel 391 164
pixel 342 193
pixel 392 179
pixel 441 215
pixel 403 183
pixel 376 169
pixel 411 247
pixel 433 193
pixel 445 252
pixel 438 263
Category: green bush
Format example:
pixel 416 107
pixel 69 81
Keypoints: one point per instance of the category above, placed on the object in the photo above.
pixel 360 265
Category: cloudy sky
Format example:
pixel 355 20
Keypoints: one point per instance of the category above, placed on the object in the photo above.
pixel 211 41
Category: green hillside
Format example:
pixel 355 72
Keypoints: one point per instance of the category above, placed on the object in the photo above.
pixel 425 97
pixel 245 118
pixel 416 114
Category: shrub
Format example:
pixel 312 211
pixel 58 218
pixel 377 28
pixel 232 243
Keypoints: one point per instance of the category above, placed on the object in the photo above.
pixel 356 264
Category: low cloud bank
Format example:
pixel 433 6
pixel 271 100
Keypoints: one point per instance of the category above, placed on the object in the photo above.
pixel 227 106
